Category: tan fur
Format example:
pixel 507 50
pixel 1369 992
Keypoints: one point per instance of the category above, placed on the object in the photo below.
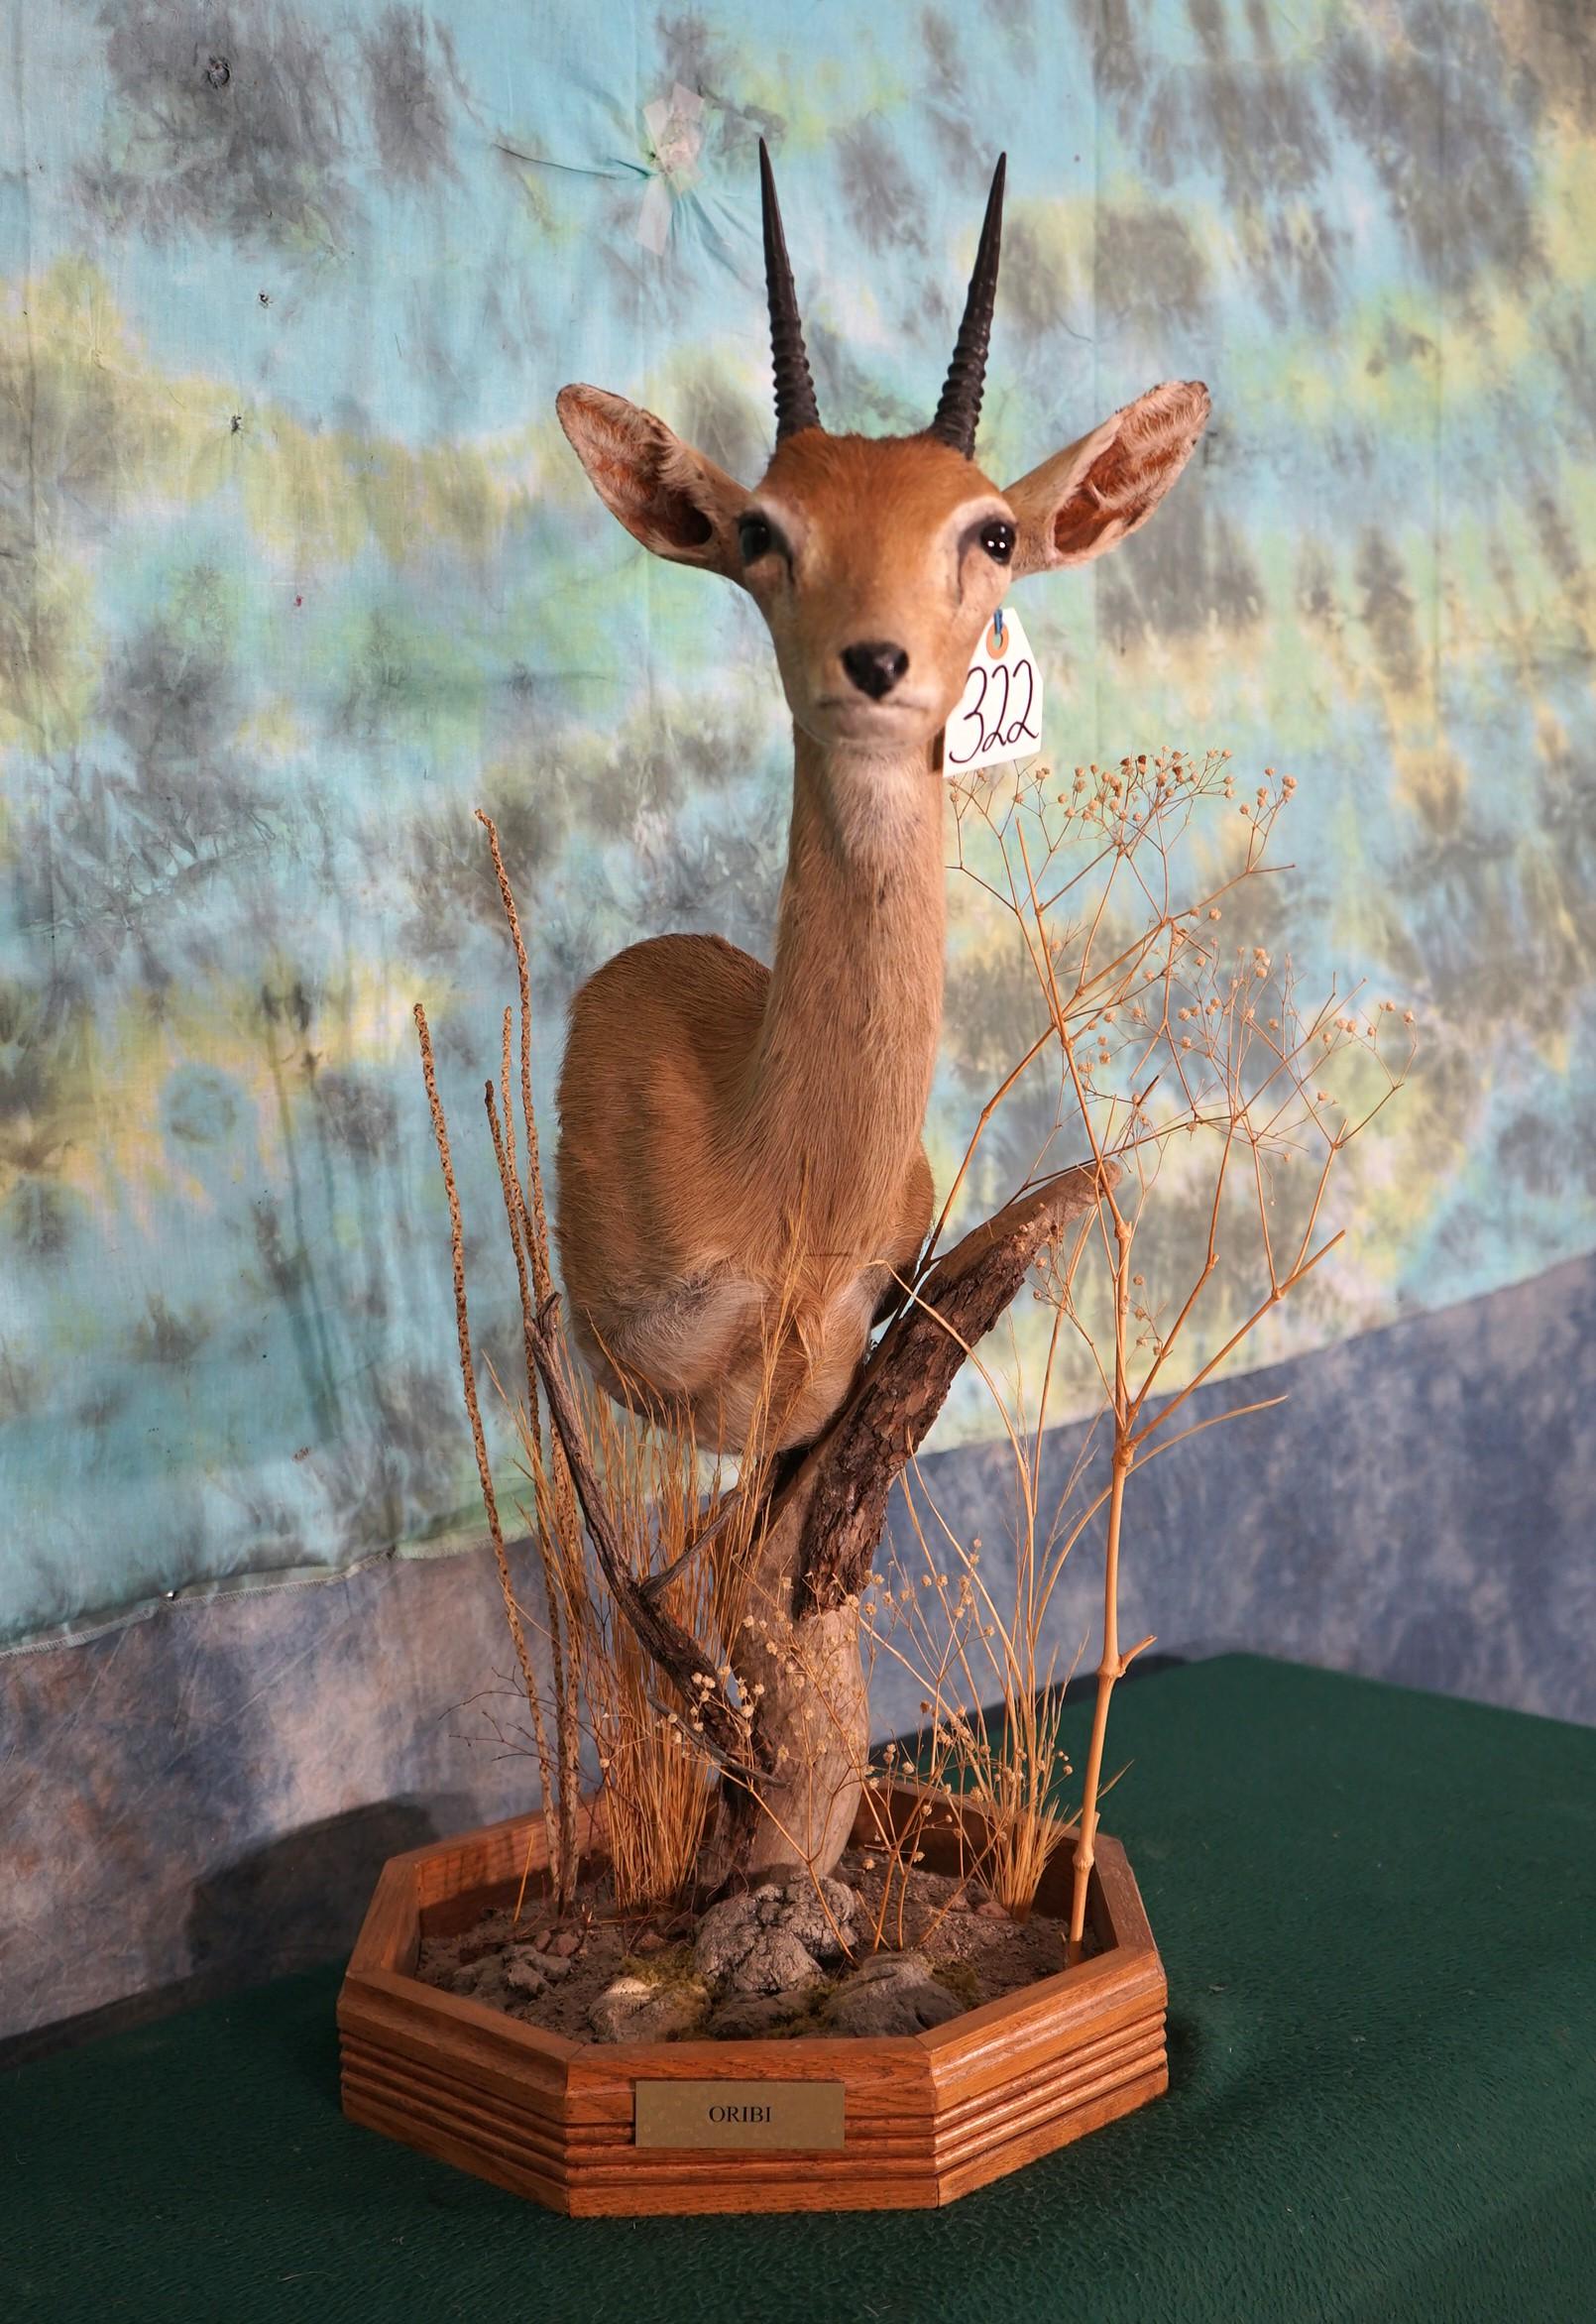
pixel 764 1128
pixel 740 1168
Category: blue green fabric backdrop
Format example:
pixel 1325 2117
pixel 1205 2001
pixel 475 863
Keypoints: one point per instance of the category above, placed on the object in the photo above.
pixel 296 569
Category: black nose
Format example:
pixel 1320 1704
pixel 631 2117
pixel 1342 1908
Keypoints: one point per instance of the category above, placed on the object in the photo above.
pixel 875 667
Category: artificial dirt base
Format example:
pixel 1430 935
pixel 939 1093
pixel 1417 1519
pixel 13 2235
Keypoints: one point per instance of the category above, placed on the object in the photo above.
pixel 973 1948
pixel 925 2117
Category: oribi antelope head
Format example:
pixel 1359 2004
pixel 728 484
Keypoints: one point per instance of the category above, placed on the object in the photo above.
pixel 877 561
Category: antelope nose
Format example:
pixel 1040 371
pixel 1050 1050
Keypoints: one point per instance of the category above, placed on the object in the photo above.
pixel 874 667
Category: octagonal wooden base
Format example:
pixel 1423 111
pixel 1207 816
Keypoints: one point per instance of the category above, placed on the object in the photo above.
pixel 925 2119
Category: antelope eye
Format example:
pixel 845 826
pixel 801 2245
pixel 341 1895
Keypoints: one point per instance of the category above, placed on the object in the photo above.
pixel 755 539
pixel 997 539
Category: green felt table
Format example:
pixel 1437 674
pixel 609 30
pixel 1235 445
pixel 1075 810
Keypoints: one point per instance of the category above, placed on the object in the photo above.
pixel 1376 1910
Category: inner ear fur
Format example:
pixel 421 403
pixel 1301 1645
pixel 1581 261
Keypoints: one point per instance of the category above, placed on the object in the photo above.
pixel 1089 498
pixel 665 494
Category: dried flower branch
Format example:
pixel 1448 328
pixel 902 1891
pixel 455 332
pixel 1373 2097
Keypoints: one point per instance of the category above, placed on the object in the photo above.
pixel 1196 1080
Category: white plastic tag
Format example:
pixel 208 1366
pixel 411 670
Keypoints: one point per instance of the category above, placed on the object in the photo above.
pixel 999 714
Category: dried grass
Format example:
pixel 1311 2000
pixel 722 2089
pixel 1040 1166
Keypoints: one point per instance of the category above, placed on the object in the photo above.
pixel 684 1527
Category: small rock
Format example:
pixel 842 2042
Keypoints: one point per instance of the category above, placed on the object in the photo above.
pixel 482 1981
pixel 776 1938
pixel 565 1944
pixel 541 1939
pixel 631 2010
pixel 745 2016
pixel 524 1974
pixel 818 1913
pixel 992 1910
pixel 554 1968
pixel 777 1962
pixel 650 1941
pixel 889 1993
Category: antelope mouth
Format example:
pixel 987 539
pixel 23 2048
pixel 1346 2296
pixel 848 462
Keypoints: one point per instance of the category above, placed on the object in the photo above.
pixel 853 718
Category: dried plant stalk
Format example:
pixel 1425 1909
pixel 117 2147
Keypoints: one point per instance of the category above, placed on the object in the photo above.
pixel 558 1545
pixel 529 1228
pixel 480 1443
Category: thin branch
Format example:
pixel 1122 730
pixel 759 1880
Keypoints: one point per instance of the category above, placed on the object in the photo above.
pixel 679 1656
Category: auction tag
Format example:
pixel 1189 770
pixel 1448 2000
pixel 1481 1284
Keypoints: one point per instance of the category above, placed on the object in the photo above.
pixel 999 714
pixel 769 2114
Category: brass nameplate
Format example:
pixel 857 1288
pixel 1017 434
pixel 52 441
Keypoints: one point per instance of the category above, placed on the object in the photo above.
pixel 797 2116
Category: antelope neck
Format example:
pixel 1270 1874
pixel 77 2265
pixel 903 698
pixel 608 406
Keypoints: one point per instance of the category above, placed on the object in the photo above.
pixel 842 1067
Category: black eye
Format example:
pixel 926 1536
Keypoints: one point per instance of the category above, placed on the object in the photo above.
pixel 997 539
pixel 754 540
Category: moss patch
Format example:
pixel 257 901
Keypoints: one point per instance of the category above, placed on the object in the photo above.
pixel 960 1980
pixel 669 1971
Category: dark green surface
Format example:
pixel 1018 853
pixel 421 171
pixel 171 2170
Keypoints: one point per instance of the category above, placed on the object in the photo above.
pixel 1376 1910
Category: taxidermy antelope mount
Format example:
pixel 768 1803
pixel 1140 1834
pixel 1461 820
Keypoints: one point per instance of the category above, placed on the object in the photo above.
pixel 741 1157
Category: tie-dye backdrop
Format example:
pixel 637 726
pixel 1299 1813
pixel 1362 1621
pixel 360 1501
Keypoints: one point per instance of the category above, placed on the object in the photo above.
pixel 296 569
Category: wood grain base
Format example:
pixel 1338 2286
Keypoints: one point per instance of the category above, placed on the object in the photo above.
pixel 925 2117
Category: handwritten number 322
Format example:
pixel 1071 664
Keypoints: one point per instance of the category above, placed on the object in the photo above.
pixel 989 724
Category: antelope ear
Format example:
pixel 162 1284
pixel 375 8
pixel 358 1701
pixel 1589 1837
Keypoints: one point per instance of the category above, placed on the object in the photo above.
pixel 666 495
pixel 1087 498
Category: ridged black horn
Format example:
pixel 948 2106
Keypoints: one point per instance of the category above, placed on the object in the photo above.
pixel 959 412
pixel 795 388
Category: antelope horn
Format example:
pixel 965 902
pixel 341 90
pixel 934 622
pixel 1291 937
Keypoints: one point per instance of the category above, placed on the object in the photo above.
pixel 795 388
pixel 959 410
